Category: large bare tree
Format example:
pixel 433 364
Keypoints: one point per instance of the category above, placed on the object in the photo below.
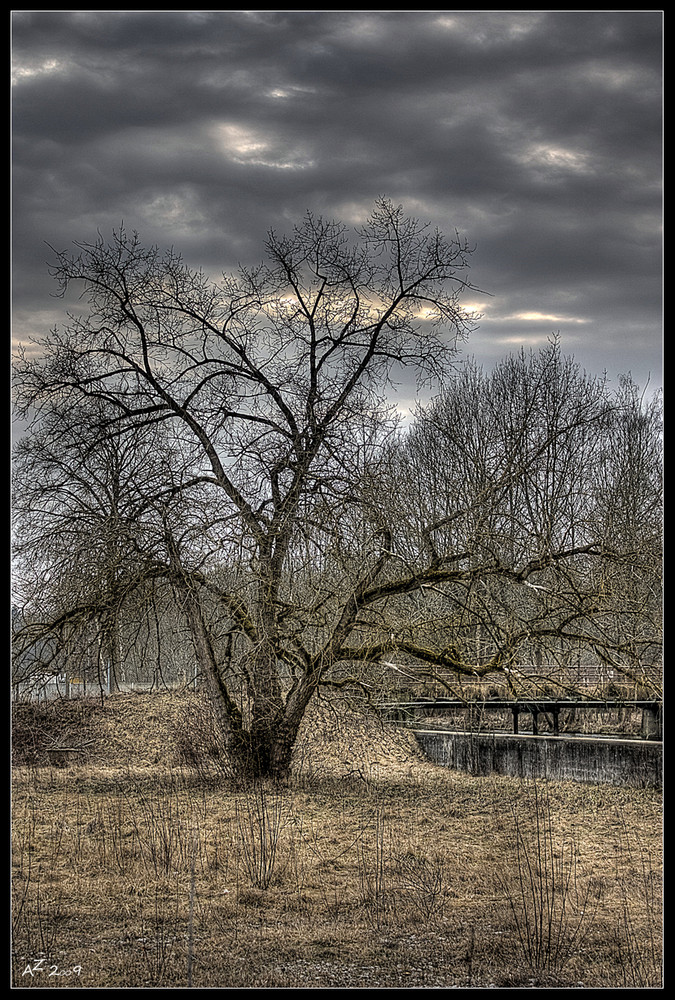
pixel 271 389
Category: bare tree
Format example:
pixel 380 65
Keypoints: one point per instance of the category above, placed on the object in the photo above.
pixel 82 530
pixel 541 486
pixel 271 387
pixel 627 508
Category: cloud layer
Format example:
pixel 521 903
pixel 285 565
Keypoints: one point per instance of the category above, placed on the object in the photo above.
pixel 536 134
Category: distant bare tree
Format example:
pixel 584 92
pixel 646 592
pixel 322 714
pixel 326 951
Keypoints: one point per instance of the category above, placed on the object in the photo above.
pixel 628 512
pixel 541 486
pixel 82 531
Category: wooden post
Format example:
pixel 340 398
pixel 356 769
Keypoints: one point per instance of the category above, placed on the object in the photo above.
pixel 514 709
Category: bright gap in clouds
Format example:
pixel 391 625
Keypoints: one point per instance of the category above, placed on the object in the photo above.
pixel 20 73
pixel 557 157
pixel 254 147
pixel 537 317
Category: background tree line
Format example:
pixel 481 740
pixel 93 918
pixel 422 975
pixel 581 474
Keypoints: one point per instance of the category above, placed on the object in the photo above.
pixel 216 467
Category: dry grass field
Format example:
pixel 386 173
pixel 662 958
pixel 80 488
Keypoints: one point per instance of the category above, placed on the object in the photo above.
pixel 138 864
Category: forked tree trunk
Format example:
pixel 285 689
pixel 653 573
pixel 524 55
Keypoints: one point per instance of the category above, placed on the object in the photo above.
pixel 274 732
pixel 265 749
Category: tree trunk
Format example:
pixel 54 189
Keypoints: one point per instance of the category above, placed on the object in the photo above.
pixel 265 749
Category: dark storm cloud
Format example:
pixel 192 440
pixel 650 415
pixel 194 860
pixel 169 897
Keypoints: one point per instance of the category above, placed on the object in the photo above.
pixel 538 134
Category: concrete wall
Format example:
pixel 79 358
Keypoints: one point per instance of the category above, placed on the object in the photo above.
pixel 634 763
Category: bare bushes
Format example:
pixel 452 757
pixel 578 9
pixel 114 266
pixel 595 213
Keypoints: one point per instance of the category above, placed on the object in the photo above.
pixel 425 882
pixel 400 880
pixel 262 815
pixel 639 927
pixel 552 902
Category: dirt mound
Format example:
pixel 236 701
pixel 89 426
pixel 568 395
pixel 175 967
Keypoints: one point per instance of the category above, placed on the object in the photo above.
pixel 337 741
pixel 146 730
pixel 124 729
pixel 54 732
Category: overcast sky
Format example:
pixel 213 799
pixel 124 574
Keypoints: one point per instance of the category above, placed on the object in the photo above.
pixel 537 134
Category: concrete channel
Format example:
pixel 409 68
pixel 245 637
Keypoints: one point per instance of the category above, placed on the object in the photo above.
pixel 632 763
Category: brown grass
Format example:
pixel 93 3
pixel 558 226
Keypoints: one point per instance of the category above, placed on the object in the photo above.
pixel 371 869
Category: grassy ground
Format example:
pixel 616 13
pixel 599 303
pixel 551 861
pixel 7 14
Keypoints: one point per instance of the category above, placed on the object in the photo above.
pixel 371 869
